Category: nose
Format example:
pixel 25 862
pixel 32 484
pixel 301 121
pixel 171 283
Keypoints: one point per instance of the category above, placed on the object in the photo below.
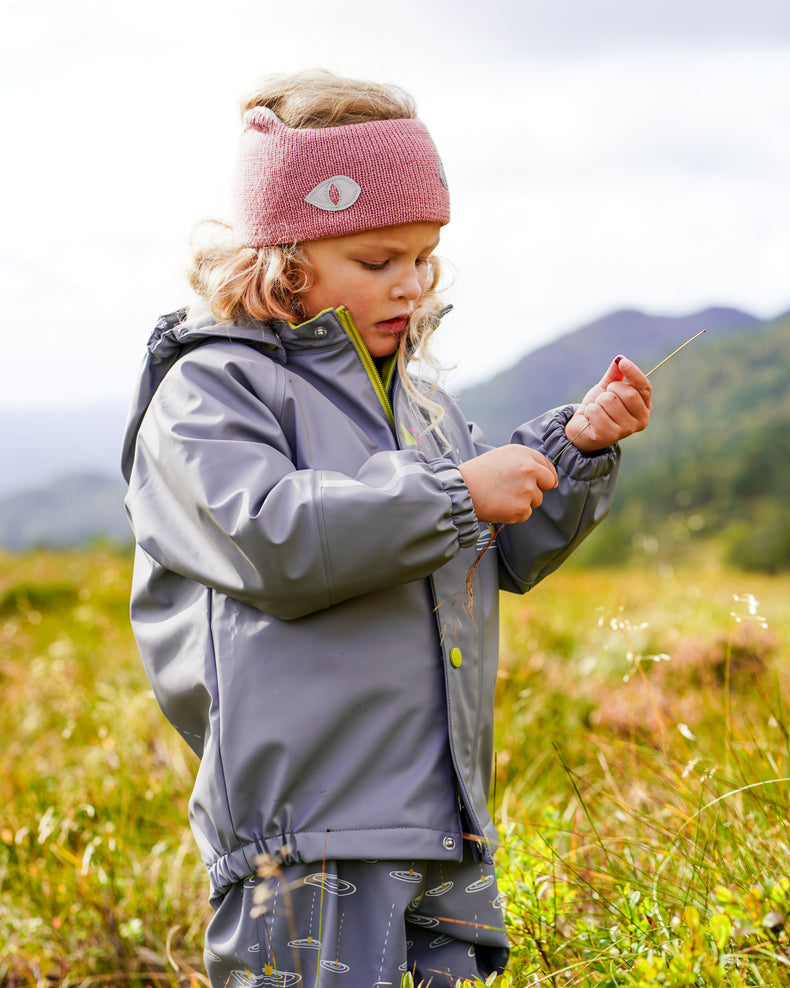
pixel 408 284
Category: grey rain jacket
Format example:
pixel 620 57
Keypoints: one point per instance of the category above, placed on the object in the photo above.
pixel 299 593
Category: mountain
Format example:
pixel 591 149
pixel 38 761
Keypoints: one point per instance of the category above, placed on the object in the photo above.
pixel 68 511
pixel 564 370
pixel 38 446
pixel 715 460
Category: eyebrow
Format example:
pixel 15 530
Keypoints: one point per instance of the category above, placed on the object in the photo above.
pixel 398 249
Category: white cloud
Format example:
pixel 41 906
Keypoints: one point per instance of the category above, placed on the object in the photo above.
pixel 600 155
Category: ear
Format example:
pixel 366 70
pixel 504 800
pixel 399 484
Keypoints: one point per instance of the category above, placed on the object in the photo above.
pixel 263 119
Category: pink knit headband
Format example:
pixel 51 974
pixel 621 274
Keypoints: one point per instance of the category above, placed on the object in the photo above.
pixel 294 184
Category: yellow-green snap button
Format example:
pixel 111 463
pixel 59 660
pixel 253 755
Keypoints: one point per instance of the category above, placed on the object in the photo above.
pixel 456 658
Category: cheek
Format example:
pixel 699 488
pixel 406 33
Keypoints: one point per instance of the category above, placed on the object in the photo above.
pixel 362 296
pixel 426 276
pixel 326 292
pixel 313 301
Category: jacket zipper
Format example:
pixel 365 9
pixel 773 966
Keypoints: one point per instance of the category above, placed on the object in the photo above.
pixel 367 362
pixel 464 803
pixel 470 824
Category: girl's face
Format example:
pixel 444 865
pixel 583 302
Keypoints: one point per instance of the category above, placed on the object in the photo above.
pixel 378 275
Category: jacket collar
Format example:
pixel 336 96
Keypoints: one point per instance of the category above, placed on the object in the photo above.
pixel 324 330
pixel 187 327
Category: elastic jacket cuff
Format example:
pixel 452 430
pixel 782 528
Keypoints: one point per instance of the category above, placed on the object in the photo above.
pixel 570 460
pixel 463 511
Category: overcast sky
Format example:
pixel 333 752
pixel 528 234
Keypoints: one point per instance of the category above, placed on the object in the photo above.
pixel 600 155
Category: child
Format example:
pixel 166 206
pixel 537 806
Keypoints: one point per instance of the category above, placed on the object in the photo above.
pixel 306 516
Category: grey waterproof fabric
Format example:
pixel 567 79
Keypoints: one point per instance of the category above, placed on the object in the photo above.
pixel 299 594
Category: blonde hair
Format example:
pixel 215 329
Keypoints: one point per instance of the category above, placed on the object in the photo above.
pixel 265 283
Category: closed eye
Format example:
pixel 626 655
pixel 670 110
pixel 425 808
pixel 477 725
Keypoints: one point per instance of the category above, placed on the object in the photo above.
pixel 382 265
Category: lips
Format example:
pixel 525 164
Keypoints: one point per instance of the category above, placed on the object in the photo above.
pixel 393 325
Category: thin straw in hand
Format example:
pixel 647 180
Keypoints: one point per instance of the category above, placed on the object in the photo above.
pixel 674 352
pixel 671 355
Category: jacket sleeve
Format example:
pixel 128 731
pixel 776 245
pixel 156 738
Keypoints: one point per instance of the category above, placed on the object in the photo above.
pixel 533 549
pixel 215 496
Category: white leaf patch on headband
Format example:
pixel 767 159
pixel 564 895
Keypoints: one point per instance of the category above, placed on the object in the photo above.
pixel 334 194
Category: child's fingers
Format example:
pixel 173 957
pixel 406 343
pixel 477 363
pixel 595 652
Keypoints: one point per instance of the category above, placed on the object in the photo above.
pixel 630 372
pixel 613 373
pixel 545 474
pixel 616 408
pixel 632 401
pixel 508 482
pixel 617 413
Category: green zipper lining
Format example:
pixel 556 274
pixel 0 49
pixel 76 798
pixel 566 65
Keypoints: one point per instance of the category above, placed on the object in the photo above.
pixel 379 386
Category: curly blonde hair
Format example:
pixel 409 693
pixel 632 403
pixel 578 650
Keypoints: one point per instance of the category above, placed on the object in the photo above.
pixel 266 283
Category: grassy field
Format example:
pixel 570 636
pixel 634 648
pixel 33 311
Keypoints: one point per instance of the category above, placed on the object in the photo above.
pixel 641 782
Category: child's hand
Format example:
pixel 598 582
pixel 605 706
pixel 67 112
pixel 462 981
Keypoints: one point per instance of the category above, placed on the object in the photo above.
pixel 507 483
pixel 615 408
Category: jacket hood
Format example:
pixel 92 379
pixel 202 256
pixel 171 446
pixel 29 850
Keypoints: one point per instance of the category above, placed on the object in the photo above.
pixel 175 334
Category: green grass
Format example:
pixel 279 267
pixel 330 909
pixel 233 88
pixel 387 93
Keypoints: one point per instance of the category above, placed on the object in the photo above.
pixel 641 783
pixel 642 780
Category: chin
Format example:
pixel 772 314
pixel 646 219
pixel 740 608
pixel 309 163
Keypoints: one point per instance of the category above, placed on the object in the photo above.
pixel 384 349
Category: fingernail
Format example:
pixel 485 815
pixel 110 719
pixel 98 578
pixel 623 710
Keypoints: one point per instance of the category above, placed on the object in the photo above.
pixel 618 359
